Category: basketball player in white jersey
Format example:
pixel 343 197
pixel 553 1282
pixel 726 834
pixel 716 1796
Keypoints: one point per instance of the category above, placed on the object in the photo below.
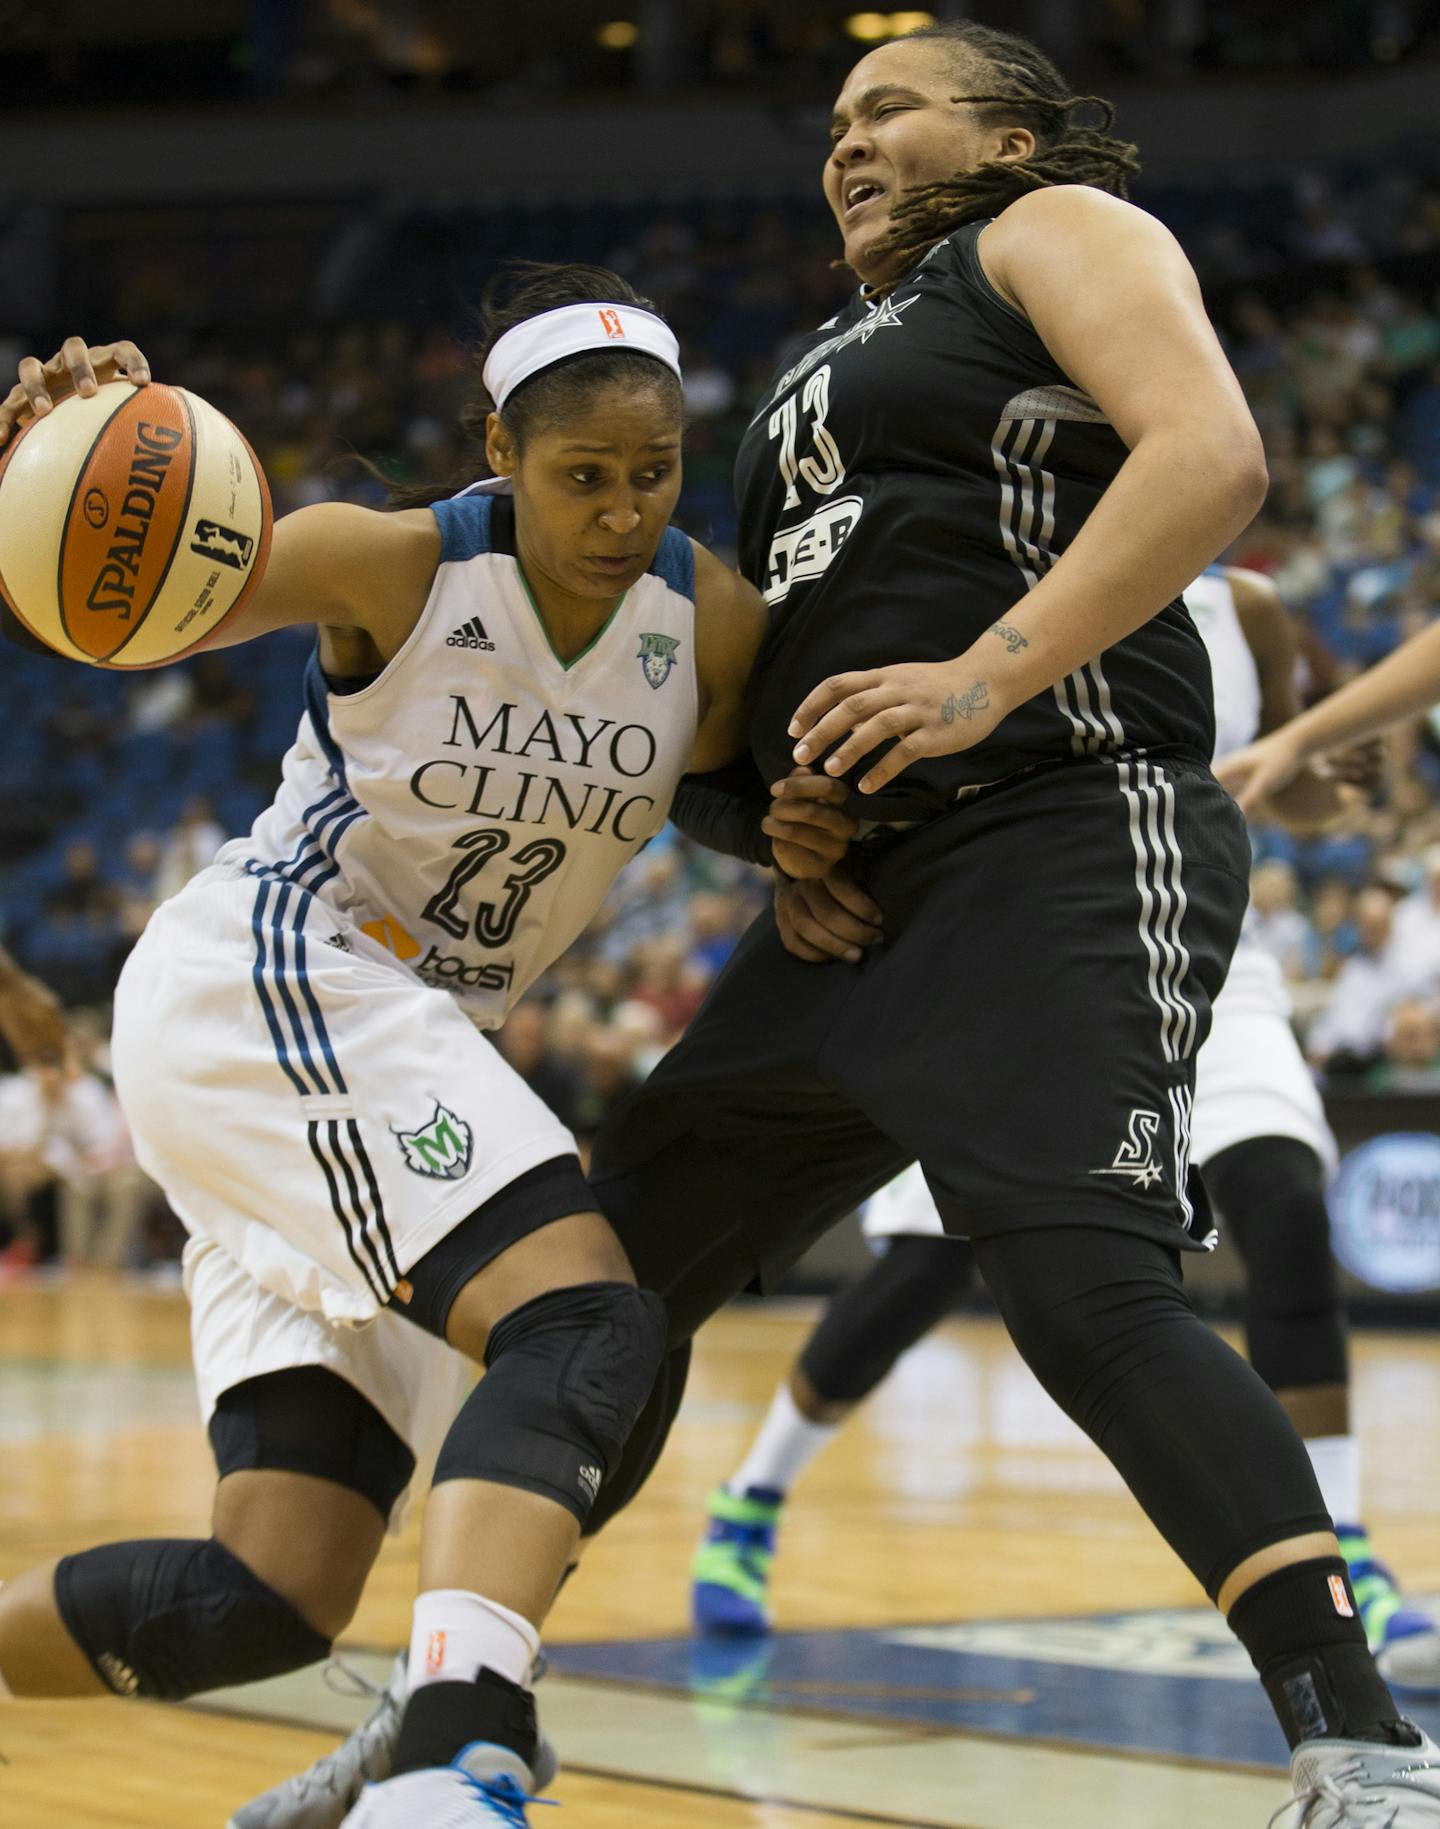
pixel 1259 1133
pixel 507 688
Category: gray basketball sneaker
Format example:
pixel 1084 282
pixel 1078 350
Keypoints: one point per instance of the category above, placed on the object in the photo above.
pixel 321 1797
pixel 1356 1784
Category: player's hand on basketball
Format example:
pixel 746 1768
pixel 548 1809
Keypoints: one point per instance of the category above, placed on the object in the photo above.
pixel 31 1019
pixel 77 367
pixel 822 918
pixel 1260 769
pixel 808 829
pixel 918 708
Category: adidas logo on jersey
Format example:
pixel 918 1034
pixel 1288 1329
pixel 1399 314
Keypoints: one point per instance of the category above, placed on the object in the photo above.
pixel 471 635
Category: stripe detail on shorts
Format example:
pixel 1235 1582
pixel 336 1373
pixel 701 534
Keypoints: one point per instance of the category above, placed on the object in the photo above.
pixel 1150 802
pixel 330 1142
pixel 1027 527
pixel 303 1048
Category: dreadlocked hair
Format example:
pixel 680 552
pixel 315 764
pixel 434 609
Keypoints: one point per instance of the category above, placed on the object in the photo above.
pixel 524 289
pixel 1028 92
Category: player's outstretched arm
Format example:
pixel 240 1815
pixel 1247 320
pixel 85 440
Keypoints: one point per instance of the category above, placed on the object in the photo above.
pixel 1315 798
pixel 1402 686
pixel 335 564
pixel 798 824
pixel 31 1019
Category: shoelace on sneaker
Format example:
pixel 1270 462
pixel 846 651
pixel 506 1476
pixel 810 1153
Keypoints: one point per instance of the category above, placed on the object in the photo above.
pixel 326 1777
pixel 506 1797
pixel 1328 1791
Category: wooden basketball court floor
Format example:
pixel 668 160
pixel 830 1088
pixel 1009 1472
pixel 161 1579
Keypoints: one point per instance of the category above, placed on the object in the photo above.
pixel 978 1628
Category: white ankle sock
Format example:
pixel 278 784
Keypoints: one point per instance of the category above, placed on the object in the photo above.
pixel 1336 1460
pixel 456 1634
pixel 784 1448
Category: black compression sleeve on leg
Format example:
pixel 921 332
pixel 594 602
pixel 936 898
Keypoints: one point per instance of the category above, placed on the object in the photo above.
pixel 1270 1191
pixel 1102 1320
pixel 566 1378
pixel 872 1322
pixel 306 1419
pixel 1301 1626
pixel 170 1617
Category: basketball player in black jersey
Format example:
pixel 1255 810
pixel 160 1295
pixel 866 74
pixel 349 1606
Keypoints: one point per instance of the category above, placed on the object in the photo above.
pixel 972 500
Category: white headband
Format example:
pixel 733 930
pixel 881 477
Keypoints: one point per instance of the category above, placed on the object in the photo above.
pixel 570 331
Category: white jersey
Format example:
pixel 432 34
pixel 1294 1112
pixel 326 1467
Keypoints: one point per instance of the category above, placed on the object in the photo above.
pixel 1211 604
pixel 470 807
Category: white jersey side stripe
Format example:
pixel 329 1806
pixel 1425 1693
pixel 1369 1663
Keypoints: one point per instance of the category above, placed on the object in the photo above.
pixel 1027 497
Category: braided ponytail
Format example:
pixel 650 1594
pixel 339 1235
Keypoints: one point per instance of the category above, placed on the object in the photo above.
pixel 1028 92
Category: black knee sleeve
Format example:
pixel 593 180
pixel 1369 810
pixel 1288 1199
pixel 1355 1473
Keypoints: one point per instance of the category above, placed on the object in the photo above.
pixel 306 1419
pixel 647 1438
pixel 1270 1192
pixel 170 1617
pixel 872 1322
pixel 1102 1320
pixel 566 1377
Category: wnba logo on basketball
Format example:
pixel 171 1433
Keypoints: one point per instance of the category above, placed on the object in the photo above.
pixel 611 325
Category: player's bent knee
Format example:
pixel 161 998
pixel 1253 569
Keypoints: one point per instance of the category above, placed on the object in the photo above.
pixel 566 1376
pixel 168 1618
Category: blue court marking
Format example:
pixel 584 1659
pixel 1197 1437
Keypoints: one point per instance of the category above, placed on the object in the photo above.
pixel 1171 1685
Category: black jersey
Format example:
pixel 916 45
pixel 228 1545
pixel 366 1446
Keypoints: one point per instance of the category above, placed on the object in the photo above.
pixel 918 465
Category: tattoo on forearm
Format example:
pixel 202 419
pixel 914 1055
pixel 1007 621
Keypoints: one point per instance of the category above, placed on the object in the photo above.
pixel 1014 641
pixel 965 704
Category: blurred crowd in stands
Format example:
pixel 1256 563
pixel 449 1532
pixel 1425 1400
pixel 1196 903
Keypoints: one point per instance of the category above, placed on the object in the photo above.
pixel 117 790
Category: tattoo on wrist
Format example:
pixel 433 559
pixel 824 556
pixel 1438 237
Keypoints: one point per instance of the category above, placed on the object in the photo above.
pixel 1014 641
pixel 965 704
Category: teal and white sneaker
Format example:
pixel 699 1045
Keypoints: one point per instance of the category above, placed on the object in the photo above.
pixel 319 1797
pixel 1406 1642
pixel 730 1573
pixel 1358 1784
pixel 483 1787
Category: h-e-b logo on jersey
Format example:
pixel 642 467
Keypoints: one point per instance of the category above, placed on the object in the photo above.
pixel 657 657
pixel 222 544
pixel 439 1150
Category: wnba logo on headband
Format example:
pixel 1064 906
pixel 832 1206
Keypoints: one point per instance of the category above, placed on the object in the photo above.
pixel 571 330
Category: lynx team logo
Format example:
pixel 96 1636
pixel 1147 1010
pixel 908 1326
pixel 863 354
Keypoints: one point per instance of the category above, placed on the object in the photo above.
pixel 440 1149
pixel 657 657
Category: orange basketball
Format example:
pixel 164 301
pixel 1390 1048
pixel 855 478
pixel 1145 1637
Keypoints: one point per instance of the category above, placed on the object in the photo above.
pixel 133 524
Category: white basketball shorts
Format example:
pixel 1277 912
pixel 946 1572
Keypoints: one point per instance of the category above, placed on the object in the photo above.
pixel 1251 1081
pixel 318 1119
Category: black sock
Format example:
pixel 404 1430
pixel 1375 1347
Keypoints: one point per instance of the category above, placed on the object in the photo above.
pixel 1302 1629
pixel 442 1718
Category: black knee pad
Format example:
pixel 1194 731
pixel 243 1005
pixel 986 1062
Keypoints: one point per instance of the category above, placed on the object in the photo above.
pixel 647 1438
pixel 872 1322
pixel 566 1377
pixel 170 1617
pixel 1270 1191
pixel 306 1419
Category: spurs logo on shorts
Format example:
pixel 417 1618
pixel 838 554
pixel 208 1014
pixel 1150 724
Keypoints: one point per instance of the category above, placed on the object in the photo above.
pixel 1136 1154
pixel 440 1149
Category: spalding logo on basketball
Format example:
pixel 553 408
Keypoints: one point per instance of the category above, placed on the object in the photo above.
pixel 133 524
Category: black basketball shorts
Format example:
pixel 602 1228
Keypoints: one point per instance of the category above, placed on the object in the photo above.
pixel 1027 1029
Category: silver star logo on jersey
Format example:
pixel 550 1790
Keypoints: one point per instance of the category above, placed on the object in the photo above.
pixel 885 316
